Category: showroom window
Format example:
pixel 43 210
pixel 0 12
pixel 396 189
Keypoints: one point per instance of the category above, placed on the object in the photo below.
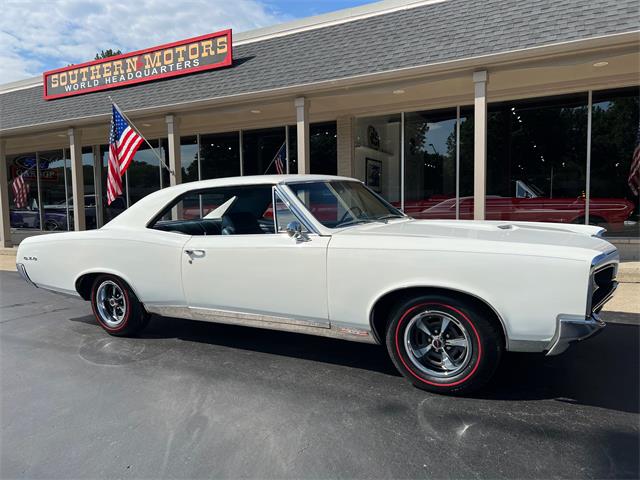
pixel 436 171
pixel 377 155
pixel 259 150
pixel 91 202
pixel 536 160
pixel 219 155
pixel 144 176
pixel 614 136
pixel 323 148
pixel 439 163
pixel 54 190
pixel 190 156
pixel 38 190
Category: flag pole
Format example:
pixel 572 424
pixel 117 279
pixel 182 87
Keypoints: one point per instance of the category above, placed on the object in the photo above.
pixel 153 149
pixel 274 159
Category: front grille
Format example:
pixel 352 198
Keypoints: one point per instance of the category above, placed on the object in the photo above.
pixel 603 285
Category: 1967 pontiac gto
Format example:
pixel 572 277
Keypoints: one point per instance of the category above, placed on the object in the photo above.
pixel 327 256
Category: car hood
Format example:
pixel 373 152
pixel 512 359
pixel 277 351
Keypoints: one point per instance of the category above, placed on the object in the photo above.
pixel 529 233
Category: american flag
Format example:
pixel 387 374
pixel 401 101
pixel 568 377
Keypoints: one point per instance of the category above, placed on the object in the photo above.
pixel 20 191
pixel 281 158
pixel 124 142
pixel 634 171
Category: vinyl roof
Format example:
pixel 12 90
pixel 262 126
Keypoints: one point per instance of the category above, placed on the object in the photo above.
pixel 418 36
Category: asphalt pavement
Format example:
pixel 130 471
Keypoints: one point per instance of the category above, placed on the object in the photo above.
pixel 198 400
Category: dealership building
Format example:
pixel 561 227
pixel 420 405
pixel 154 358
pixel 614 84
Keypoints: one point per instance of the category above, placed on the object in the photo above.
pixel 453 109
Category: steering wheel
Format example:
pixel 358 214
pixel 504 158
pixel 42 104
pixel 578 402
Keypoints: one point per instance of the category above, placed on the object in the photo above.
pixel 352 212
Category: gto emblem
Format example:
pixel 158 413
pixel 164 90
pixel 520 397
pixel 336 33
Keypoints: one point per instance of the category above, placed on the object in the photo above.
pixel 35 259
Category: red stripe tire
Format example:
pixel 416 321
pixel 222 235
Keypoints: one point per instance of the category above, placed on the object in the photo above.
pixel 444 344
pixel 116 308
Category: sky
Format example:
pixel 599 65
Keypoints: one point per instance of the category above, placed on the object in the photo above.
pixel 39 35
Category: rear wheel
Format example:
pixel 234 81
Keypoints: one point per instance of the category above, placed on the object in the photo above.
pixel 443 344
pixel 116 307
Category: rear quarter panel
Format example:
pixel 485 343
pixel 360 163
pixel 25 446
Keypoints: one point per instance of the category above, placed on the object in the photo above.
pixel 528 291
pixel 148 260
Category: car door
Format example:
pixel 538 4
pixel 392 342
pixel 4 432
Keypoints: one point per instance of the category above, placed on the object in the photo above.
pixel 260 277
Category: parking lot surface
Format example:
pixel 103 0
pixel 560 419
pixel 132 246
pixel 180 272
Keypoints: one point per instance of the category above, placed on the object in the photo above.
pixel 196 400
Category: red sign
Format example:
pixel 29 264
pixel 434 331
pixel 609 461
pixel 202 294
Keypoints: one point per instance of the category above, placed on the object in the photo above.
pixel 172 59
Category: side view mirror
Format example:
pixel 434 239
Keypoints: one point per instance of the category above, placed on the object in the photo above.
pixel 294 230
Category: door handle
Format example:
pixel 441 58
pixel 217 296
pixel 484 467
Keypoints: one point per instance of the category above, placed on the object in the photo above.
pixel 194 253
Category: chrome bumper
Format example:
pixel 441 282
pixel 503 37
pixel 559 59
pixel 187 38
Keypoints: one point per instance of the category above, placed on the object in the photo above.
pixel 571 330
pixel 23 273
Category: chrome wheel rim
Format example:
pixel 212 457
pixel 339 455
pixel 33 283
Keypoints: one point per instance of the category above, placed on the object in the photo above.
pixel 111 304
pixel 438 344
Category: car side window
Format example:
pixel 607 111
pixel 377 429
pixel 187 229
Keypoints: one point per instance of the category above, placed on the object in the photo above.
pixel 240 210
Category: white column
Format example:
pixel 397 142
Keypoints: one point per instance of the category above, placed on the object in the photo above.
pixel 173 141
pixel 480 145
pixel 77 178
pixel 5 219
pixel 587 192
pixel 344 127
pixel 302 128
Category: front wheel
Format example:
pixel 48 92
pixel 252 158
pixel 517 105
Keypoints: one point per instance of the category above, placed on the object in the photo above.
pixel 116 307
pixel 443 344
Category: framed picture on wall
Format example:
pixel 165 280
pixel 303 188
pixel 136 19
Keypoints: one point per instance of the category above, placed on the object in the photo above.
pixel 374 174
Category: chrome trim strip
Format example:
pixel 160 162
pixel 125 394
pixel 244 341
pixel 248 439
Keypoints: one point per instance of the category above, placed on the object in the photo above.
pixel 22 271
pixel 175 311
pixel 601 303
pixel 229 316
pixel 571 329
pixel 598 263
pixel 342 331
pixel 528 346
pixel 274 195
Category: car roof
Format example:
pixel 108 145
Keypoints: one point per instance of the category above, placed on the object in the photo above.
pixel 140 213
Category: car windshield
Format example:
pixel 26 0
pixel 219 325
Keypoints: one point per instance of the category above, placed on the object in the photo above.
pixel 341 203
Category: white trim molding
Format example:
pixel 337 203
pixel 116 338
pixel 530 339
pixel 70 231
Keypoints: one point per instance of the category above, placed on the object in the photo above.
pixel 480 79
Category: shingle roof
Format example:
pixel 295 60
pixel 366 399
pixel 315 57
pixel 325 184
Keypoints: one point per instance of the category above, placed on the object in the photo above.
pixel 446 31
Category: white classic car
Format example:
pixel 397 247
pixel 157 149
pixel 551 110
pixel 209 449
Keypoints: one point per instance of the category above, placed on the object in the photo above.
pixel 327 256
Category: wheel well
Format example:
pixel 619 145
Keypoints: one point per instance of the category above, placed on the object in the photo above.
pixel 84 284
pixel 384 305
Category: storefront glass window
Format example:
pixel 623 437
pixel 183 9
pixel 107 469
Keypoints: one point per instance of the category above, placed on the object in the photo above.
pixel 614 135
pixel 430 164
pixel 323 148
pixel 189 158
pixel 143 175
pixel 24 210
pixel 536 160
pixel 54 191
pixel 260 148
pixel 90 200
pixel 377 155
pixel 219 156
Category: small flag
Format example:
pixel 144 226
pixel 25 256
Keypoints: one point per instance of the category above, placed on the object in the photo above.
pixel 281 158
pixel 634 171
pixel 124 142
pixel 20 191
